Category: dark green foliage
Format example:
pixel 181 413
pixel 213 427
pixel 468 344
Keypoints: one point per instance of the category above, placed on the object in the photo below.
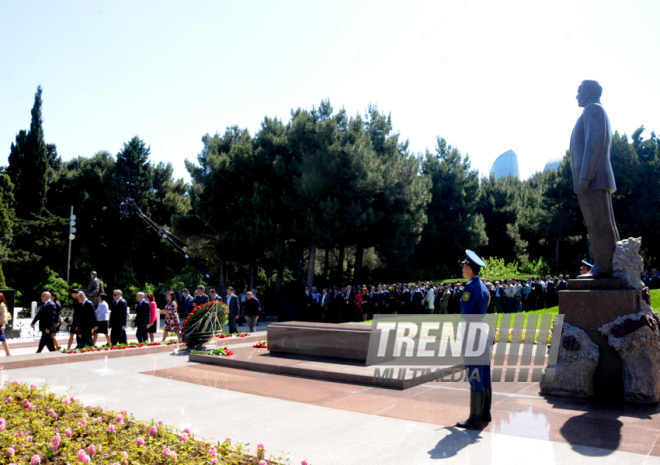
pixel 273 203
pixel 454 223
pixel 28 165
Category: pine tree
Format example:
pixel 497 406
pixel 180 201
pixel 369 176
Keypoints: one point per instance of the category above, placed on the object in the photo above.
pixel 31 192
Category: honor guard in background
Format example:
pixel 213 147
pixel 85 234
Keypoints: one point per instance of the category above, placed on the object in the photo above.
pixel 585 267
pixel 474 301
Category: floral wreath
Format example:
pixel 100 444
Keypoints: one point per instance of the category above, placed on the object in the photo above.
pixel 204 322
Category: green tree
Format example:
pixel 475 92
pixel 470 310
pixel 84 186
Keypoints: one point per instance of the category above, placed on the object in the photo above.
pixel 500 202
pixel 7 219
pixel 401 204
pixel 454 224
pixel 28 165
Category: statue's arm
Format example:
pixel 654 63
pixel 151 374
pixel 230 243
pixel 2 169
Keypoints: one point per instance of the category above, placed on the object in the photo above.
pixel 595 143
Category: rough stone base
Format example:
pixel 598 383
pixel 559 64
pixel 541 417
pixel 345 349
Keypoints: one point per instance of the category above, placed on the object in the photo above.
pixel 574 372
pixel 589 310
pixel 640 354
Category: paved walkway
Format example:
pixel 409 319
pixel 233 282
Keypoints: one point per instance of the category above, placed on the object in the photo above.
pixel 334 423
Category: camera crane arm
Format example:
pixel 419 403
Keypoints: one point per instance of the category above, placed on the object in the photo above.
pixel 129 208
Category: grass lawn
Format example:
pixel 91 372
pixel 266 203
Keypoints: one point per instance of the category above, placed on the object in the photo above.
pixel 655 303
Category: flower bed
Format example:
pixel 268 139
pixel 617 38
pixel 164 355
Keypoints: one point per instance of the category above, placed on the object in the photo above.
pixel 523 336
pixel 105 347
pixel 37 426
pixel 227 335
pixel 219 352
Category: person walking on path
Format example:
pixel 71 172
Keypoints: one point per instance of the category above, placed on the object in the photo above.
pixel 86 324
pixel 232 305
pixel 252 309
pixel 171 317
pixel 5 316
pixel 46 317
pixel 75 317
pixel 101 314
pixel 118 316
pixel 58 307
pixel 153 316
pixel 141 317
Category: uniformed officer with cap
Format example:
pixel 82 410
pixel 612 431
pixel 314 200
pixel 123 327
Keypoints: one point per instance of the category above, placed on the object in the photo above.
pixel 475 301
pixel 585 267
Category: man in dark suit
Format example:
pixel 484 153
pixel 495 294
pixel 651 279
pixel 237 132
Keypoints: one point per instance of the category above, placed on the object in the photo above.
pixel 214 295
pixel 47 317
pixel 75 318
pixel 118 315
pixel 405 299
pixel 86 323
pixel 417 300
pixel 350 309
pixel 562 285
pixel 337 305
pixel 234 307
pixel 141 317
pixel 315 314
pixel 200 297
pixel 186 306
pixel 378 301
pixel 326 300
pixel 306 305
pixel 456 298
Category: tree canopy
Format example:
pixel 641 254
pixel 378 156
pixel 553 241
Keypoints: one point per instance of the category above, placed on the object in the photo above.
pixel 324 197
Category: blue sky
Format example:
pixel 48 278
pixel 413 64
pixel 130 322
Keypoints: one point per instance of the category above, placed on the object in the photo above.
pixel 487 76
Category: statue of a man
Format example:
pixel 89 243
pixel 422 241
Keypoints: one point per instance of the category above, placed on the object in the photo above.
pixel 94 288
pixel 593 178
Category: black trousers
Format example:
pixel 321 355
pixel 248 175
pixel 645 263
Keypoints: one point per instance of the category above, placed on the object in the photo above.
pixel 141 333
pixel 232 324
pixel 46 340
pixel 84 339
pixel 118 336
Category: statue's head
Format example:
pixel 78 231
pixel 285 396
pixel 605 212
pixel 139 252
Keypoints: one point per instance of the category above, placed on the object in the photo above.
pixel 589 92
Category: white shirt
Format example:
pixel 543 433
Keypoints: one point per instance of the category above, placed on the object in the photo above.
pixel 101 311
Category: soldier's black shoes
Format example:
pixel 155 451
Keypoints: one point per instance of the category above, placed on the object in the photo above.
pixel 476 410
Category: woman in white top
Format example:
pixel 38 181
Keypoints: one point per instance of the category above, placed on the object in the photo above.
pixel 102 317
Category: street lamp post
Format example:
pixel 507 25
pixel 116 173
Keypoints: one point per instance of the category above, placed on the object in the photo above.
pixel 72 230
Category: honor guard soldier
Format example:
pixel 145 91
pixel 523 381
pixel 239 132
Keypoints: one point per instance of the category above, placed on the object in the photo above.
pixel 474 301
pixel 585 267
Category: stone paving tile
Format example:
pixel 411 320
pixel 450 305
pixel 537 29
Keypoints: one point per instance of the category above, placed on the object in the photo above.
pixel 516 412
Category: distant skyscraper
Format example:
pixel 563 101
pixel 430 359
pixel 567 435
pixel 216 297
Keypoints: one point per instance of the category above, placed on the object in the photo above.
pixel 552 164
pixel 506 165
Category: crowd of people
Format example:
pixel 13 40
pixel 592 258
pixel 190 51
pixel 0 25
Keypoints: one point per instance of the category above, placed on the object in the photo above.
pixel 651 279
pixel 345 304
pixel 342 304
pixel 93 314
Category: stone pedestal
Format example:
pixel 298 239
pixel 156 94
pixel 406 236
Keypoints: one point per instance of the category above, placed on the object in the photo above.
pixel 589 304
